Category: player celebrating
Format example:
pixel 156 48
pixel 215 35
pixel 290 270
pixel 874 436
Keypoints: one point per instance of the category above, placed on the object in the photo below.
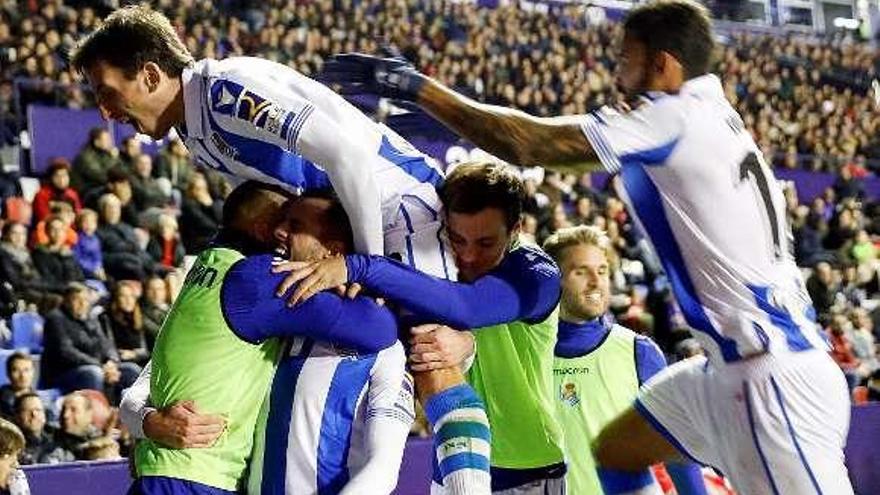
pixel 696 182
pixel 257 119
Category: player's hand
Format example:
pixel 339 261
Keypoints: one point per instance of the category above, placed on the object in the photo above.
pixel 358 73
pixel 312 277
pixel 438 346
pixel 182 426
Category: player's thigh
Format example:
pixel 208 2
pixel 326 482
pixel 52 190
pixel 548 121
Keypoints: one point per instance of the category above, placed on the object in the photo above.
pixel 797 417
pixel 670 421
pixel 631 443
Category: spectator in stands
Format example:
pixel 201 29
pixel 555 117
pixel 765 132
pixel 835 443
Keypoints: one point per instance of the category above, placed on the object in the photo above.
pixel 165 247
pixel 822 287
pixel 55 260
pixel 873 385
pixel 76 424
pixel 147 190
pixel 842 351
pixel 18 270
pixel 119 185
pixel 63 211
pixel 101 449
pixel 55 188
pixel 12 481
pixel 862 338
pixel 40 444
pixel 154 308
pixel 87 250
pixel 79 352
pixel 123 257
pixel 200 215
pixel 847 186
pixel 129 153
pixel 20 373
pixel 863 249
pixel 96 158
pixel 174 164
pixel 126 321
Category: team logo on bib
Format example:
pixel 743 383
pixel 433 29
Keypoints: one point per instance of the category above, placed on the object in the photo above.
pixel 568 394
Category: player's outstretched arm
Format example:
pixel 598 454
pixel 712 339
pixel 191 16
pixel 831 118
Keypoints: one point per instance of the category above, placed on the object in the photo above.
pixel 255 314
pixel 509 134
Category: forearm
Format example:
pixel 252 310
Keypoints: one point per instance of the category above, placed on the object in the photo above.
pixel 133 408
pixel 386 441
pixel 509 134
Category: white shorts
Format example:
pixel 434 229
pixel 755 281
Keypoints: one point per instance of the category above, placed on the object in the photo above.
pixel 418 239
pixel 773 424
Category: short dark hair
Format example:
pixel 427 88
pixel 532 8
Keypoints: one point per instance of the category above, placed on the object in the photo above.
pixel 129 38
pixel 19 401
pixel 681 27
pixel 473 187
pixel 242 196
pixel 95 132
pixel 15 356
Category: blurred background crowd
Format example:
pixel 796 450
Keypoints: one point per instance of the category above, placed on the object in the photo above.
pixel 91 259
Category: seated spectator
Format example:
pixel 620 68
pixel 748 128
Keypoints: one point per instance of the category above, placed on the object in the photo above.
pixel 96 158
pixel 87 250
pixel 842 351
pixel 119 185
pixel 129 152
pixel 12 480
pixel 200 215
pixel 78 351
pixel 165 247
pixel 20 372
pixel 123 257
pixel 822 287
pixel 154 308
pixel 76 425
pixel 63 211
pixel 127 324
pixel 174 165
pixel 18 270
pixel 55 260
pixel 55 188
pixel 862 338
pixel 40 444
pixel 147 191
pixel 863 250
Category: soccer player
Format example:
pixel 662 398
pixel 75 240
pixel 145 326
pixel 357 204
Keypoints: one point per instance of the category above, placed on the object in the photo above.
pixel 216 347
pixel 599 366
pixel 507 297
pixel 695 180
pixel 256 119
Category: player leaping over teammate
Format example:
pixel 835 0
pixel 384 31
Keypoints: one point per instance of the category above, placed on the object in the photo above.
pixel 696 182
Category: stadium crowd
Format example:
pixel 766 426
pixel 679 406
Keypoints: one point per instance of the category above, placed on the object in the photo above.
pixel 100 250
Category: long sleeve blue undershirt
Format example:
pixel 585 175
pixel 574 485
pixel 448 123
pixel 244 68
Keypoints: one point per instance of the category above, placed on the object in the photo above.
pixel 524 286
pixel 255 314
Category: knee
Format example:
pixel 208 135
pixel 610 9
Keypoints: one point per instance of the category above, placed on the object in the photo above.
pixel 91 376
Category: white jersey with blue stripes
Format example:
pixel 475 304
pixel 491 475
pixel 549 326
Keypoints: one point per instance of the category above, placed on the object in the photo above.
pixel 311 435
pixel 696 182
pixel 257 119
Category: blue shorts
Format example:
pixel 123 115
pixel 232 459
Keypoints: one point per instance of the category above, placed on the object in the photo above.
pixel 162 485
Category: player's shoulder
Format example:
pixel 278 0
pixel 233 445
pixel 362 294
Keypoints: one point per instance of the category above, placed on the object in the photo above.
pixel 532 258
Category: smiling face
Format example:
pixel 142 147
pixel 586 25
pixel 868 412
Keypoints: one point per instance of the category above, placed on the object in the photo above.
pixel 586 284
pixel 148 100
pixel 479 241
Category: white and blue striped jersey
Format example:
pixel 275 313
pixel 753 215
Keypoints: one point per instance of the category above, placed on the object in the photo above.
pixel 256 119
pixel 312 434
pixel 697 184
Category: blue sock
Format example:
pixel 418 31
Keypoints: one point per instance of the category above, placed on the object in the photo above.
pixel 461 440
pixel 616 481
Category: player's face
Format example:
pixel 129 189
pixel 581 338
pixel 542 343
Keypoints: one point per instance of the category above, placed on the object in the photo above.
pixel 479 241
pixel 301 229
pixel 633 74
pixel 585 282
pixel 134 101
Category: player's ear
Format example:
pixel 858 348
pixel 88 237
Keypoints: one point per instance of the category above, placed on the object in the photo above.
pixel 153 75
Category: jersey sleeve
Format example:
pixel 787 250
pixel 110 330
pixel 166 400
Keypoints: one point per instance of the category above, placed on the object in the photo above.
pixel 525 286
pixel 391 391
pixel 256 121
pixel 647 134
pixel 649 358
pixel 254 313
